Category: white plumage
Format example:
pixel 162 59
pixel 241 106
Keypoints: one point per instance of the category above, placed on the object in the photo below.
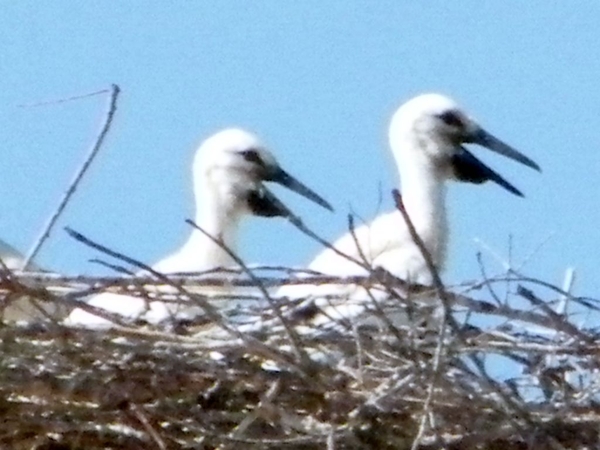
pixel 228 170
pixel 426 136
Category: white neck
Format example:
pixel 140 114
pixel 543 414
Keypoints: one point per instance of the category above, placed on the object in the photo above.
pixel 200 252
pixel 424 194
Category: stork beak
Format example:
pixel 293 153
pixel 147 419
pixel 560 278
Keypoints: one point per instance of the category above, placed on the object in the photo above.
pixel 278 175
pixel 263 202
pixel 489 141
pixel 466 167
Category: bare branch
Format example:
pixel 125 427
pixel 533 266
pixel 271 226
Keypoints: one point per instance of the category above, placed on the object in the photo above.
pixel 112 108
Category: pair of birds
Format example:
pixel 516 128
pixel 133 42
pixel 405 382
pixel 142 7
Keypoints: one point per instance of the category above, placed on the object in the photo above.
pixel 426 136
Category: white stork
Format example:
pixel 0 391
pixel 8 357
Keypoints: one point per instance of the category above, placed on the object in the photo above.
pixel 229 172
pixel 427 135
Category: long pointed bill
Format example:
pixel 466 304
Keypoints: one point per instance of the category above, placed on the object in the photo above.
pixel 468 168
pixel 285 179
pixel 263 202
pixel 494 144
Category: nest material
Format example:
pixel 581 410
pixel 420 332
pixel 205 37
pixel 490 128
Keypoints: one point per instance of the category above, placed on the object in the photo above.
pixel 345 387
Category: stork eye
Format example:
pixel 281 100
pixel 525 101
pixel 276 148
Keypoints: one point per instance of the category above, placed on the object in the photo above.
pixel 451 118
pixel 252 156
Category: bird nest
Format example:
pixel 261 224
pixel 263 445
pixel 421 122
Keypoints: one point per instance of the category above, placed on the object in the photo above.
pixel 509 364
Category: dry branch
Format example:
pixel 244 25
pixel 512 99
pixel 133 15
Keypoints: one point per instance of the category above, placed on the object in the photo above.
pixel 110 113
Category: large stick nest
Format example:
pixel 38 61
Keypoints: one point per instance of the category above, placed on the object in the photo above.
pixel 344 387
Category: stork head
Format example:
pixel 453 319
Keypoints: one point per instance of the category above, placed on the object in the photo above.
pixel 430 129
pixel 230 169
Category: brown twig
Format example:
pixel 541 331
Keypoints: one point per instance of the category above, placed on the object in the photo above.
pixel 293 335
pixel 143 419
pixel 447 316
pixel 45 234
pixel 211 312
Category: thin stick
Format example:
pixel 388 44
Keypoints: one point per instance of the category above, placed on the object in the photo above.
pixel 112 108
pixel 138 413
pixel 266 402
pixel 379 310
pixel 291 332
pixel 63 100
pixel 211 312
pixel 448 319
pixel 304 229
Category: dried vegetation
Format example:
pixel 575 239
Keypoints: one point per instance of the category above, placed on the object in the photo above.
pixel 517 371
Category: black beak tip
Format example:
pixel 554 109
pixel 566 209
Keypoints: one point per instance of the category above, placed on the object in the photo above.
pixel 532 164
pixel 328 206
pixel 285 179
pixel 513 190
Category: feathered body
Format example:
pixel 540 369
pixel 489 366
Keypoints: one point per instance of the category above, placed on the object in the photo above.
pixel 229 170
pixel 426 136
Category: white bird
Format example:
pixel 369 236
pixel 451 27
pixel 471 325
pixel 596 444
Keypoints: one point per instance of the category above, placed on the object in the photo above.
pixel 426 136
pixel 228 171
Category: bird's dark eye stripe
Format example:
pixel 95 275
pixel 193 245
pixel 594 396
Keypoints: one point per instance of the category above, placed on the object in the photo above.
pixel 252 156
pixel 451 118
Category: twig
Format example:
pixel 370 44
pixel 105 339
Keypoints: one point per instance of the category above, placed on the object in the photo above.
pixel 304 229
pixel 535 251
pixel 192 279
pixel 265 403
pixel 294 337
pixel 112 108
pixel 528 295
pixel 63 100
pixel 448 319
pixel 487 281
pixel 141 417
pixel 383 279
pixel 210 311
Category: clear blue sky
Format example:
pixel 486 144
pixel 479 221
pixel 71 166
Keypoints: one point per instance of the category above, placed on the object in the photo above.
pixel 318 81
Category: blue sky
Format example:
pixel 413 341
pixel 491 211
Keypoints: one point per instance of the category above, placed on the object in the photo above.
pixel 318 81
